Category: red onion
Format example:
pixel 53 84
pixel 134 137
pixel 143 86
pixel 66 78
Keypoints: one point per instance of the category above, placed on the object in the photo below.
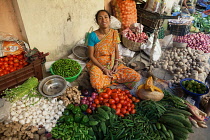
pixel 90 99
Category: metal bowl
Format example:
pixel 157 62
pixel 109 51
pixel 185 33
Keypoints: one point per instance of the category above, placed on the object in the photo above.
pixel 52 86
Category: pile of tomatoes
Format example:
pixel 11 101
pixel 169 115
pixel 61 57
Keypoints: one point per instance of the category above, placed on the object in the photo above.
pixel 120 100
pixel 12 63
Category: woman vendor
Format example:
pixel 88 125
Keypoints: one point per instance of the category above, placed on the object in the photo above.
pixel 104 66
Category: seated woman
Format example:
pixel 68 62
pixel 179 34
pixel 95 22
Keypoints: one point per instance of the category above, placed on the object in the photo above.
pixel 104 67
pixel 188 7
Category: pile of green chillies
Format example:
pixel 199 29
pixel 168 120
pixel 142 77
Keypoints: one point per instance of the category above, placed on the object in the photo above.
pixel 66 67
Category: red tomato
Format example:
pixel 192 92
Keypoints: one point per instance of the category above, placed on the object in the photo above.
pixel 96 101
pixel 107 104
pixel 16 64
pixel 116 100
pixel 123 93
pixel 20 57
pixel 132 106
pixel 122 101
pixel 105 95
pixel 129 95
pixel 1 63
pixel 121 115
pixel 11 58
pixel 93 105
pixel 3 67
pixel 105 100
pixel 113 106
pixel 98 105
pixel 16 60
pixel 11 66
pixel 6 65
pixel 126 107
pixel 127 91
pixel 125 102
pixel 21 62
pixel 133 111
pixel 117 111
pixel 114 95
pixel 111 101
pixel 6 59
pixel 89 111
pixel 108 91
pixel 100 98
pixel 129 109
pixel 123 110
pixel 119 105
pixel 137 100
pixel 1 59
pixel 12 69
pixel 121 97
pixel 11 62
pixel 128 104
pixel 133 99
pixel 7 68
pixel 1 74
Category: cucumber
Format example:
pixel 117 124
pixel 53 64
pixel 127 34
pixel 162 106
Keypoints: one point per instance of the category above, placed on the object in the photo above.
pixel 158 126
pixel 103 127
pixel 171 134
pixel 93 123
pixel 99 117
pixel 181 132
pixel 102 113
pixel 163 128
pixel 169 120
pixel 106 108
pixel 186 113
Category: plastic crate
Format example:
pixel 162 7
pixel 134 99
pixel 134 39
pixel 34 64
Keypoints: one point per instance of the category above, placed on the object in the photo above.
pixel 150 20
pixel 179 30
pixel 19 76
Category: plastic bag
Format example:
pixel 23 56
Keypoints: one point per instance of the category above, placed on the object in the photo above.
pixel 155 6
pixel 148 47
pixel 115 23
pixel 137 27
pixel 123 51
pixel 10 48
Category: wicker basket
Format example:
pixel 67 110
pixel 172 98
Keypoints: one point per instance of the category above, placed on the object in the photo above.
pixel 131 45
pixel 179 30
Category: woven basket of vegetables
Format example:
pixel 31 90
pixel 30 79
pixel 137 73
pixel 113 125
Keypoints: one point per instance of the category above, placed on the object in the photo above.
pixel 131 45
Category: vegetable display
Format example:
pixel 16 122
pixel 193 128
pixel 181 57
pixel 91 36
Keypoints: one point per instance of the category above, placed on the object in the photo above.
pixel 202 23
pixel 12 63
pixel 125 11
pixel 194 86
pixel 66 67
pixel 198 41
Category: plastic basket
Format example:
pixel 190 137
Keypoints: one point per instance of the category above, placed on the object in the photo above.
pixel 131 45
pixel 69 79
pixel 179 30
pixel 150 20
pixel 192 93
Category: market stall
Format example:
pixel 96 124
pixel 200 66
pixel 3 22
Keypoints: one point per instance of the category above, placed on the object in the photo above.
pixel 166 103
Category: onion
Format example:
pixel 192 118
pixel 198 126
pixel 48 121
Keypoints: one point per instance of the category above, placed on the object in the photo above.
pixel 93 96
pixel 92 108
pixel 94 93
pixel 90 99
pixel 83 102
pixel 84 98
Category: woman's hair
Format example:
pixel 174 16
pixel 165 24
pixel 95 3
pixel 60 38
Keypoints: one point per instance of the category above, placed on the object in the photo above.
pixel 96 16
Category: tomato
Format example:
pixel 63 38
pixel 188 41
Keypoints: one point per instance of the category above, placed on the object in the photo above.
pixel 1 74
pixel 11 62
pixel 128 104
pixel 1 63
pixel 93 105
pixel 114 90
pixel 129 95
pixel 16 64
pixel 113 106
pixel 6 65
pixel 111 101
pixel 105 95
pixel 107 104
pixel 122 115
pixel 96 101
pixel 123 93
pixel 114 95
pixel 121 97
pixel 16 60
pixel 132 106
pixel 11 58
pixel 108 91
pixel 117 111
pixel 6 72
pixel 6 59
pixel 127 91
pixel 122 101
pixel 116 100
pixel 3 67
pixel 100 98
pixel 20 57
pixel 126 107
pixel 1 59
pixel 133 99
pixel 89 111
pixel 123 110
pixel 133 111
pixel 137 100
pixel 11 66
pixel 129 109
pixel 98 105
pixel 105 100
pixel 21 62
pixel 7 68
pixel 119 105
pixel 12 69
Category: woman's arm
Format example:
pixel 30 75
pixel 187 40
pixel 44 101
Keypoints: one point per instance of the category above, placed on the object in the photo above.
pixel 185 3
pixel 95 61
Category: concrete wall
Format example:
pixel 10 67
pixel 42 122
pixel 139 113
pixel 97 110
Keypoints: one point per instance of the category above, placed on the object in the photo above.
pixel 56 25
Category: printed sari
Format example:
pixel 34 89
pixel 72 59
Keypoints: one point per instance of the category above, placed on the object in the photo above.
pixel 104 52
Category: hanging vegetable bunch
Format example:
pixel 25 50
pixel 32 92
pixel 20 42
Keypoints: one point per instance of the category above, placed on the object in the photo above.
pixel 125 11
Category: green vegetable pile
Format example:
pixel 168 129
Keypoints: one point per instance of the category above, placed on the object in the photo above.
pixel 203 23
pixel 66 67
pixel 29 87
pixel 194 86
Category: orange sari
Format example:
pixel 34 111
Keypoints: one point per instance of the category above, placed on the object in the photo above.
pixel 104 52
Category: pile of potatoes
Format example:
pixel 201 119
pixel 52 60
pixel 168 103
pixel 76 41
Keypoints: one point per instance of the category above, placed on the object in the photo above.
pixel 184 63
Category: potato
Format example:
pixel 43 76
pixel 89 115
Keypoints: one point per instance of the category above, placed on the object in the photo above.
pixel 36 137
pixel 41 131
pixel 148 95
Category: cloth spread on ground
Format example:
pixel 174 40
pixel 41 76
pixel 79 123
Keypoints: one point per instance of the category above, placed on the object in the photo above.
pixel 104 52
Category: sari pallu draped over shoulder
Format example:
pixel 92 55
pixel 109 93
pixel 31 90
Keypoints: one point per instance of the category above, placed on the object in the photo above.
pixel 104 52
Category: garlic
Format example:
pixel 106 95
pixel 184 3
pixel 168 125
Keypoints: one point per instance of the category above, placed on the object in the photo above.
pixel 60 102
pixel 44 113
pixel 22 121
pixel 59 113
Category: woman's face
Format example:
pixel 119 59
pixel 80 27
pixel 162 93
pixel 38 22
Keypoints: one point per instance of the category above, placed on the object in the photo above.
pixel 103 20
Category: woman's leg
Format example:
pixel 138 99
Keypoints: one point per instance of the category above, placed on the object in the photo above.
pixel 127 76
pixel 97 79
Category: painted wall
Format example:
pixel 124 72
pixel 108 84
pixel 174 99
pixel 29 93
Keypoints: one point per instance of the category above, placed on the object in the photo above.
pixel 55 26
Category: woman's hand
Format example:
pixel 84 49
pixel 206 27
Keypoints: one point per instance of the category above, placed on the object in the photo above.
pixel 114 69
pixel 107 72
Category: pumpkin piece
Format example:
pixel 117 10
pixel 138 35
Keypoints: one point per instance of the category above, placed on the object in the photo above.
pixel 141 86
pixel 149 83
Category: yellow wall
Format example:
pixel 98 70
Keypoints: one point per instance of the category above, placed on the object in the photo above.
pixel 56 25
